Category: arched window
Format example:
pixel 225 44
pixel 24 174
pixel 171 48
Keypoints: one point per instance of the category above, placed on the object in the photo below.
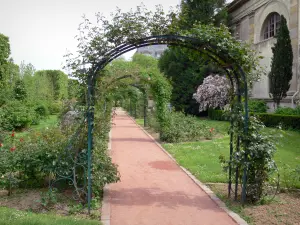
pixel 271 26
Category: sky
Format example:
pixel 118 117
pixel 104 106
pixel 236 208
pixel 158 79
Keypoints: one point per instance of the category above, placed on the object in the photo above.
pixel 42 31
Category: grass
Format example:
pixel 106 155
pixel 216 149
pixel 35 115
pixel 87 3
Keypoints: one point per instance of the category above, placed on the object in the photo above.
pixel 15 217
pixel 51 121
pixel 140 122
pixel 202 158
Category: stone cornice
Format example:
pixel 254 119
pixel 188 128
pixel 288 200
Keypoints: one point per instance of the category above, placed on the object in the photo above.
pixel 235 5
pixel 248 11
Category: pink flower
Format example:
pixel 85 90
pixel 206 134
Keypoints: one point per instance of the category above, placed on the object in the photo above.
pixel 211 130
pixel 1 145
pixel 12 149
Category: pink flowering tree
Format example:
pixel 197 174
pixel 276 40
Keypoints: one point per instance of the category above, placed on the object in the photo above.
pixel 213 93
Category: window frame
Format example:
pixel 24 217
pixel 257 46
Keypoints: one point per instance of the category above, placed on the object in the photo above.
pixel 271 26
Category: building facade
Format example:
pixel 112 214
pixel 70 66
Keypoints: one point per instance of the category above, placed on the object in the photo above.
pixel 256 22
pixel 152 50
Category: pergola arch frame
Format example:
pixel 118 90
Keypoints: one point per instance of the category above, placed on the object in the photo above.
pixel 232 69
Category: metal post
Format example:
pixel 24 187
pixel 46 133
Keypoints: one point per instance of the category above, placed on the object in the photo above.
pixel 130 107
pixel 246 124
pixel 230 163
pixel 145 109
pixel 90 118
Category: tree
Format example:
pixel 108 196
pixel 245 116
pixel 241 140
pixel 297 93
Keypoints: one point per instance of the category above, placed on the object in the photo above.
pixel 213 93
pixel 282 63
pixel 201 11
pixel 20 90
pixel 4 55
pixel 176 63
pixel 54 83
pixel 185 75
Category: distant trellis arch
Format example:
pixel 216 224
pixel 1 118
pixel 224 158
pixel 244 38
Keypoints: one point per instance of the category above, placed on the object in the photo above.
pixel 233 70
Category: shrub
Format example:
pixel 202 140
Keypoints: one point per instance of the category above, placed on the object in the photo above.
pixel 284 111
pixel 152 122
pixel 55 107
pixel 16 115
pixel 269 119
pixel 185 128
pixel 32 159
pixel 104 171
pixel 214 114
pixel 288 111
pixel 257 106
pixel 42 110
pixel 274 120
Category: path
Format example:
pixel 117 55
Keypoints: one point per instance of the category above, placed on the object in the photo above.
pixel 153 189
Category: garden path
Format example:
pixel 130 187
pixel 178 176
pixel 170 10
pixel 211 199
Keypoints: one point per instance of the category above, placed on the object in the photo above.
pixel 153 189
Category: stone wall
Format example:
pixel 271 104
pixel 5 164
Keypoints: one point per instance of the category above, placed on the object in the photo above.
pixel 248 16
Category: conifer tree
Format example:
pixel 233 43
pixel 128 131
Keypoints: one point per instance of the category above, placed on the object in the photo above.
pixel 282 63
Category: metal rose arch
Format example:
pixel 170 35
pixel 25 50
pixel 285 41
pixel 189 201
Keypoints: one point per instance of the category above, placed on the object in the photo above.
pixel 217 54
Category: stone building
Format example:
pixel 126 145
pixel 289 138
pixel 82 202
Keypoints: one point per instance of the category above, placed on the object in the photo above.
pixel 153 50
pixel 256 22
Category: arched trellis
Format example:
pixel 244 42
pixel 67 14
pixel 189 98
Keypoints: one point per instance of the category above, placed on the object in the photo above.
pixel 137 86
pixel 234 72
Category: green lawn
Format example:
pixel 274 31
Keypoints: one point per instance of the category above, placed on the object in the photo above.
pixel 49 122
pixel 202 158
pixel 15 217
pixel 140 122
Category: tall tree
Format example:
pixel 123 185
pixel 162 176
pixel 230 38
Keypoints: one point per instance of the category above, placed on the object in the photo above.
pixel 282 64
pixel 201 11
pixel 4 55
pixel 177 64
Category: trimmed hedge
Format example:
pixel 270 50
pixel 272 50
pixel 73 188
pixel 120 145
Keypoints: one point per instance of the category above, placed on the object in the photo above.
pixel 214 114
pixel 274 120
pixel 270 120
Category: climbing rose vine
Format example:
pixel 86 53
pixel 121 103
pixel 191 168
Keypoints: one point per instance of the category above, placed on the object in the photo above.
pixel 213 93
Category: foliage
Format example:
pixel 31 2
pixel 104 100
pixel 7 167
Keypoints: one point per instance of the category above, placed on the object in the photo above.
pixel 290 177
pixel 282 64
pixel 184 74
pixel 34 158
pixel 183 128
pixel 55 107
pixel 260 164
pixel 4 54
pixel 217 115
pixel 98 42
pixel 284 121
pixel 253 153
pixel 213 93
pixel 269 119
pixel 104 171
pixel 257 106
pixel 19 90
pixel 56 83
pixel 176 63
pixel 138 79
pixel 16 115
pixel 15 217
pixel 288 111
pixel 73 88
pixel 42 110
pixel 200 158
pixel 48 198
pixel 201 11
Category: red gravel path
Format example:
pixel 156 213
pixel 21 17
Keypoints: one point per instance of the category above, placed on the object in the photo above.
pixel 153 189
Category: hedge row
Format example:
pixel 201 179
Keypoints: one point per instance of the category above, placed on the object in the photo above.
pixel 270 120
